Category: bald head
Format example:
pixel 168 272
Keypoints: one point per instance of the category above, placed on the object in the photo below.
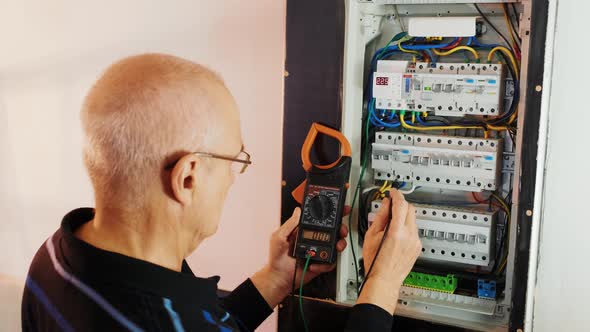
pixel 144 112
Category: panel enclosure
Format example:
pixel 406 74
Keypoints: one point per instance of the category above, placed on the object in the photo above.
pixel 398 85
pixel 368 26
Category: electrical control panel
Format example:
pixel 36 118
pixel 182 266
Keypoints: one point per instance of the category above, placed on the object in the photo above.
pixel 450 234
pixel 459 163
pixel 448 89
pixel 433 102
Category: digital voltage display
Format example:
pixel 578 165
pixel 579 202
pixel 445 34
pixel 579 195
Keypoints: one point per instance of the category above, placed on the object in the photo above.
pixel 382 80
pixel 316 236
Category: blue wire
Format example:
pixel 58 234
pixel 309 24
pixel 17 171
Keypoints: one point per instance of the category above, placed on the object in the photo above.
pixel 472 41
pixel 385 52
pixel 429 46
pixel 392 116
pixel 373 122
pixel 378 122
pixel 433 58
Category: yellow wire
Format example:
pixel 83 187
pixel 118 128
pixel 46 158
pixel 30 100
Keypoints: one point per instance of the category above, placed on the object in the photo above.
pixel 486 133
pixel 512 33
pixel 501 201
pixel 501 267
pixel 377 195
pixel 399 45
pixel 508 54
pixel 386 189
pixel 413 117
pixel 507 210
pixel 492 127
pixel 382 189
pixel 458 48
pixel 513 116
pixel 515 66
pixel 408 126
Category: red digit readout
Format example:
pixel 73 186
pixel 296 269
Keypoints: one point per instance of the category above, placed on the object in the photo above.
pixel 382 80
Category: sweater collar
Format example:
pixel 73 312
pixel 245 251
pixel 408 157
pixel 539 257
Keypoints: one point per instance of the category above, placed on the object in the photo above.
pixel 95 264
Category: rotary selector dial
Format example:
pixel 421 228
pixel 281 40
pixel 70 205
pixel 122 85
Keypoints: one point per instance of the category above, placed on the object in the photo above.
pixel 321 207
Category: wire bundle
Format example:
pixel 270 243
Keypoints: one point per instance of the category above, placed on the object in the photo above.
pixel 405 44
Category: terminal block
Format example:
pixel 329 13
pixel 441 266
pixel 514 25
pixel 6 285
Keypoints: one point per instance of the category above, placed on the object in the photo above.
pixel 458 235
pixel 447 89
pixel 446 162
pixel 486 289
pixel 446 284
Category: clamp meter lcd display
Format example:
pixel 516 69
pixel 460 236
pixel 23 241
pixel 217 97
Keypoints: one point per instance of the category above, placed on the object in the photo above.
pixel 322 197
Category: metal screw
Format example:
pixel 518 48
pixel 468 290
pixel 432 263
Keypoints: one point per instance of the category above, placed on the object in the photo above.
pixel 286 73
pixel 283 183
pixel 280 306
pixel 538 88
pixel 529 213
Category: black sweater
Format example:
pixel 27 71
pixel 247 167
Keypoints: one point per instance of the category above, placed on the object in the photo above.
pixel 74 286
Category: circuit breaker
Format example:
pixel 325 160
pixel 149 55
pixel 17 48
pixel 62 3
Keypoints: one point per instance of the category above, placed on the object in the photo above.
pixel 459 163
pixel 451 234
pixel 448 89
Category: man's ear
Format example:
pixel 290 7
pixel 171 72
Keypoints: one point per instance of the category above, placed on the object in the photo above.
pixel 183 178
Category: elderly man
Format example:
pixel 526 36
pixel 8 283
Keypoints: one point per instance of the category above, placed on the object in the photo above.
pixel 163 148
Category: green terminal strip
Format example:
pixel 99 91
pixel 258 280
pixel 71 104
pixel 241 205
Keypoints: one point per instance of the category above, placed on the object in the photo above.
pixel 446 284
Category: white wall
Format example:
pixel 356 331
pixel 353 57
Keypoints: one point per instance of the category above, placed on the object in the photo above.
pixel 51 52
pixel 563 288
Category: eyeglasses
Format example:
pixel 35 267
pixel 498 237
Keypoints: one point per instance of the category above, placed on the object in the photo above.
pixel 239 163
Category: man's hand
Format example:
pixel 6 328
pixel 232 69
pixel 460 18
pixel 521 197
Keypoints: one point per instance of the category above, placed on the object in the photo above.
pixel 275 280
pixel 401 247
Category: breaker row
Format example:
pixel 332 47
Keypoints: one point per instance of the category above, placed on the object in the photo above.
pixel 449 234
pixel 458 163
pixel 447 89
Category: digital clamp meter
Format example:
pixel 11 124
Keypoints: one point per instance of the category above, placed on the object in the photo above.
pixel 322 196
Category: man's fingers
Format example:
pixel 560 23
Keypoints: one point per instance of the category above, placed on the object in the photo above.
pixel 341 245
pixel 343 231
pixel 399 210
pixel 411 216
pixel 321 268
pixel 287 228
pixel 382 217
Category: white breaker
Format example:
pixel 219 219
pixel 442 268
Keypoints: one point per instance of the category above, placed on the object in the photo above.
pixel 450 234
pixel 447 89
pixel 437 161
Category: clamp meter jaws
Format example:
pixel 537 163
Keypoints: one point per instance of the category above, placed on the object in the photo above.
pixel 322 196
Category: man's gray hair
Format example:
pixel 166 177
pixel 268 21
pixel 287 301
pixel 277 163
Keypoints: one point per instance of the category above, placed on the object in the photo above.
pixel 143 111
